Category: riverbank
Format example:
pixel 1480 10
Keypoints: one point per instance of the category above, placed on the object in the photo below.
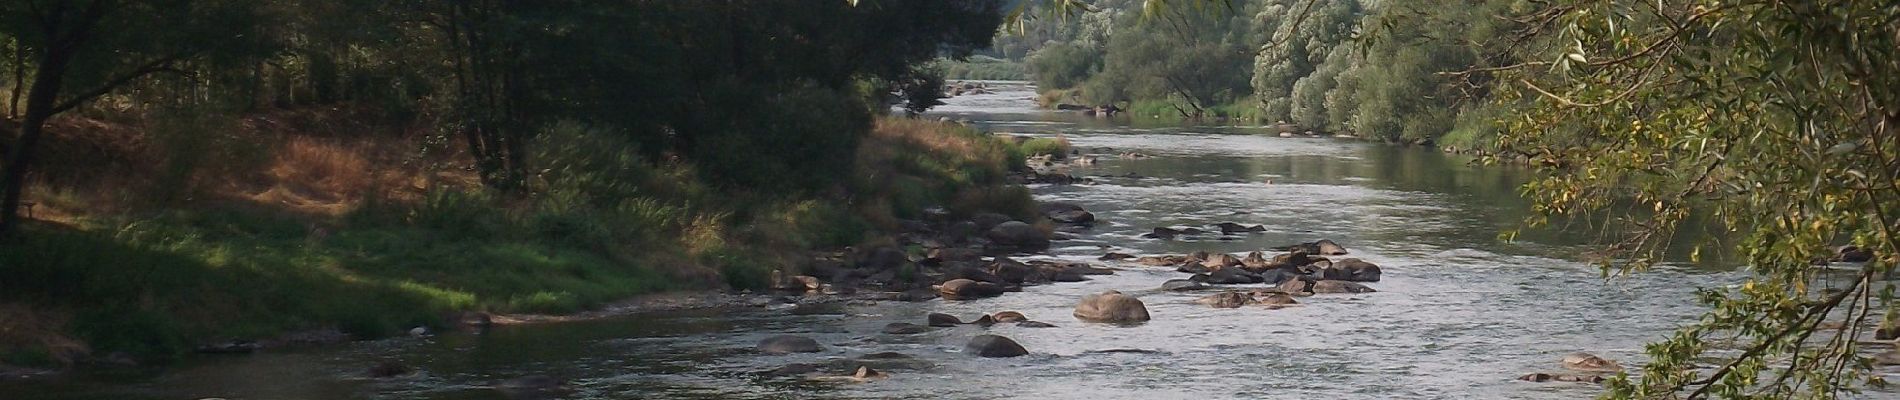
pixel 311 223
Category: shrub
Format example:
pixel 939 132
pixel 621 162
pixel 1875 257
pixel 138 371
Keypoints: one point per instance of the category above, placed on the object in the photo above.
pixel 1056 146
pixel 1063 65
pixel 794 149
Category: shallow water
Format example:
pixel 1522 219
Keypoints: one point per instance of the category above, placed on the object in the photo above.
pixel 1459 314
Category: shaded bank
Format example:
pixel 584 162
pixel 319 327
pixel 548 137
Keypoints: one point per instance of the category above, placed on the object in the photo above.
pixel 373 246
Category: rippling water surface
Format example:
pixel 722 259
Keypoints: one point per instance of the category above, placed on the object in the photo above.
pixel 1458 315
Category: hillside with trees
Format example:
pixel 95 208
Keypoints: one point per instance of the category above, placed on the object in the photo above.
pixel 177 172
pixel 181 170
pixel 1375 70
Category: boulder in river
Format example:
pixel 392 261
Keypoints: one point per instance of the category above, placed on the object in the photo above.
pixel 1111 256
pixel 943 320
pixel 1161 233
pixel 1561 377
pixel 1229 228
pixel 1067 213
pixel 962 289
pixel 1852 254
pixel 1275 300
pixel 1193 268
pixel 1018 234
pixel 1161 261
pixel 1328 248
pixel 1171 232
pixel 1334 286
pixel 1297 286
pixel 1324 247
pixel 971 272
pixel 1233 276
pixel 1009 316
pixel 1035 324
pixel 1587 362
pixel 879 258
pixel 787 344
pixel 954 254
pixel 1351 270
pixel 1295 258
pixel 1227 299
pixel 1255 260
pixel 1184 285
pixel 1278 276
pixel 984 221
pixel 904 328
pixel 993 346
pixel 1221 260
pixel 1111 307
pixel 794 283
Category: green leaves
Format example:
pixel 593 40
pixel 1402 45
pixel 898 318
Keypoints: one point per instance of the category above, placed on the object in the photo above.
pixel 1749 112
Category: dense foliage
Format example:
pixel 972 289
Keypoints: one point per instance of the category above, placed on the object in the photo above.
pixel 240 168
pixel 1775 117
pixel 1371 69
pixel 701 80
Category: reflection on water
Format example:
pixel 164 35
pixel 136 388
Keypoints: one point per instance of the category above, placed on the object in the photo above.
pixel 1459 314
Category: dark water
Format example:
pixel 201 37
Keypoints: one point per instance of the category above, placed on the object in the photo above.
pixel 1459 314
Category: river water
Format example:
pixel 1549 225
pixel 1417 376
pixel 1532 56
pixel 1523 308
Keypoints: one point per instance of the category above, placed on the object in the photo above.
pixel 1460 312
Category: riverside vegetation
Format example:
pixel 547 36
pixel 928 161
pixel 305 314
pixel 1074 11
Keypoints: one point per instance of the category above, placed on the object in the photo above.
pixel 187 172
pixel 181 171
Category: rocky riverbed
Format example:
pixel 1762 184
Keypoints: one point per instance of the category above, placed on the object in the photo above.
pixel 1426 301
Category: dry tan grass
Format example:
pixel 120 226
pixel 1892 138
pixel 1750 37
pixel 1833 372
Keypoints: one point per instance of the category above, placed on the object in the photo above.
pixel 926 134
pixel 23 327
pixel 317 161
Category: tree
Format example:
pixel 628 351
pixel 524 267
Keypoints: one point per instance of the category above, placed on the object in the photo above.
pixel 81 50
pixel 921 89
pixel 1776 117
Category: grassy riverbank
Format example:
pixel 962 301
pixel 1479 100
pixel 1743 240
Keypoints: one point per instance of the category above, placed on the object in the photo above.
pixel 315 231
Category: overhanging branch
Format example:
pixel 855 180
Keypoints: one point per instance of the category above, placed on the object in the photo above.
pixel 162 64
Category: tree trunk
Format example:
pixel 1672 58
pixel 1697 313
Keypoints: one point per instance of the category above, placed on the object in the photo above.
pixel 19 75
pixel 47 79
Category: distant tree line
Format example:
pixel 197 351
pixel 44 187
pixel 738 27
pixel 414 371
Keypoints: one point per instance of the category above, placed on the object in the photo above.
pixel 1371 69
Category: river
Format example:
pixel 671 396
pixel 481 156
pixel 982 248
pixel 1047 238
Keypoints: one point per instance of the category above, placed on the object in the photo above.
pixel 1459 314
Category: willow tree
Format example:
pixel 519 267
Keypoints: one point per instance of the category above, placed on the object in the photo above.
pixel 1777 117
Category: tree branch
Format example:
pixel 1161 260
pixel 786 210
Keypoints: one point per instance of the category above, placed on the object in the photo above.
pixel 162 64
pixel 1823 309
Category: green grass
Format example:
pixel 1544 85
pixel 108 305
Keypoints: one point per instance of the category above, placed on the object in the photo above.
pixel 601 225
pixel 156 286
pixel 1058 147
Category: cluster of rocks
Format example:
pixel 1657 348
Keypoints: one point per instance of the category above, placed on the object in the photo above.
pixel 1224 228
pixel 1581 367
pixel 957 259
pixel 1052 168
pixel 1106 307
pixel 1297 272
pixel 963 88
pixel 1100 111
pixel 871 366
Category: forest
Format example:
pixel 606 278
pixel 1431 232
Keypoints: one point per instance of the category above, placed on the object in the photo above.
pixel 176 172
pixel 1379 70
